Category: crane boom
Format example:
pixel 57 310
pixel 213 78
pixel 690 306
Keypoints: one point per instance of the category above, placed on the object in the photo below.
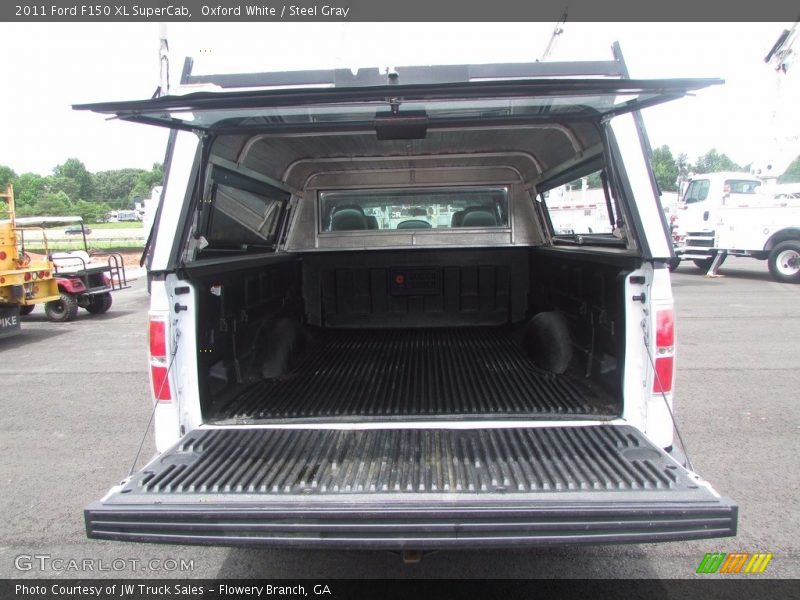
pixel 784 136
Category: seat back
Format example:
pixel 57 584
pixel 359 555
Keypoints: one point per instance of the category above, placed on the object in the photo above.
pixel 70 261
pixel 457 218
pixel 348 219
pixel 479 218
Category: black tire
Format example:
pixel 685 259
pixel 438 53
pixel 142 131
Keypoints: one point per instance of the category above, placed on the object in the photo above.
pixel 673 263
pixel 63 309
pixel 784 262
pixel 705 263
pixel 26 309
pixel 548 341
pixel 99 303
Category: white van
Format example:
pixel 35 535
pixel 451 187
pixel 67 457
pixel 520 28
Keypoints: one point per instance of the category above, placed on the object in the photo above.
pixel 366 332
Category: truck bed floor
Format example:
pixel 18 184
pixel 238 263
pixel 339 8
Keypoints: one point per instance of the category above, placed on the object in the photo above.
pixel 421 373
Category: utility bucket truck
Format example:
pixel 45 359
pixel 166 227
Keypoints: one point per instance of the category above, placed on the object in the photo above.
pixel 740 214
pixel 749 220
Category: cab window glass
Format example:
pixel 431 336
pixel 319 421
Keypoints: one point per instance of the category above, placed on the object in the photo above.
pixel 741 186
pixel 403 209
pixel 697 191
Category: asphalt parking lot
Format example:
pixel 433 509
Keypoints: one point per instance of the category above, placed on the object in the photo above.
pixel 75 408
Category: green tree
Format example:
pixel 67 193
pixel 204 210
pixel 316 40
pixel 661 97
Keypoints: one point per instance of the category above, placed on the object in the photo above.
pixel 712 161
pixel 665 169
pixel 67 185
pixel 29 188
pixel 91 212
pixel 7 175
pixel 593 181
pixel 102 210
pixel 116 187
pixel 55 204
pixel 792 173
pixel 146 180
pixel 24 210
pixel 684 168
pixel 76 170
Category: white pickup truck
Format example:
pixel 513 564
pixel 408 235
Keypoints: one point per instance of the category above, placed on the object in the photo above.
pixel 459 374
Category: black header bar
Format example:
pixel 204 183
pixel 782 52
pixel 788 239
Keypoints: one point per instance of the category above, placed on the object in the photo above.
pixel 393 11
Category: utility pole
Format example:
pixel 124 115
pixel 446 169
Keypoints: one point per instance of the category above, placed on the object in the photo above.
pixel 163 59
pixel 557 31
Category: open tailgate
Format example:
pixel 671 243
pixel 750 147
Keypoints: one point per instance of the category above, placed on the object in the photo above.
pixel 412 488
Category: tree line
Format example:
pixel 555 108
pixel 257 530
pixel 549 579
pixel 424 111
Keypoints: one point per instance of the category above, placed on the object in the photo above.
pixel 669 170
pixel 73 190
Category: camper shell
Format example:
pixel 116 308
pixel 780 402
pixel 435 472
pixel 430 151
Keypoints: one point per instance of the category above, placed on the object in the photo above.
pixel 365 331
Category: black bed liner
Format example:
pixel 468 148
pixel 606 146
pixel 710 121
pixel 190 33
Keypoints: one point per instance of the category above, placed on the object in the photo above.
pixel 431 461
pixel 418 488
pixel 429 373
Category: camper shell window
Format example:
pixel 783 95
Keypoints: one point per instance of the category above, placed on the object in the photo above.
pixel 580 206
pixel 242 212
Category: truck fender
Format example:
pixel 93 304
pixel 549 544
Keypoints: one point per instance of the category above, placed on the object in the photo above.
pixel 790 233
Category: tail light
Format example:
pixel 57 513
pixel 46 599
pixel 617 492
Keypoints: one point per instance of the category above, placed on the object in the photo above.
pixel 159 369
pixel 665 351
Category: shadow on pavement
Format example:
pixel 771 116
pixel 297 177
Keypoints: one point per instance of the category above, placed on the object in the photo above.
pixel 571 562
pixel 29 336
pixel 40 317
pixel 738 274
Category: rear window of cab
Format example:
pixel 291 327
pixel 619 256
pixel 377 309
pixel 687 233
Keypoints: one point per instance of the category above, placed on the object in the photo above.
pixel 419 208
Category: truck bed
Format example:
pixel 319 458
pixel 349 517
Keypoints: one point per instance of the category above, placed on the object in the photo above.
pixel 414 373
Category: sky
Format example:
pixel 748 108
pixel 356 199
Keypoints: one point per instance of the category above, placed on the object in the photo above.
pixel 47 67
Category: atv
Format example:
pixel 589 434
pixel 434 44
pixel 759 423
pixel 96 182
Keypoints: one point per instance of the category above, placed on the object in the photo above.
pixel 83 283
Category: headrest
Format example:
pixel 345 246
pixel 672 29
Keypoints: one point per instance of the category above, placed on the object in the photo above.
pixel 348 219
pixel 479 218
pixel 414 224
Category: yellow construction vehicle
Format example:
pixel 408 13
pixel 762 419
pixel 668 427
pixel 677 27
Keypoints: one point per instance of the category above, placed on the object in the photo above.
pixel 25 279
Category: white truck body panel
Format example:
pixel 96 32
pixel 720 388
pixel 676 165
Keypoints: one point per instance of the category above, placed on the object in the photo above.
pixel 749 228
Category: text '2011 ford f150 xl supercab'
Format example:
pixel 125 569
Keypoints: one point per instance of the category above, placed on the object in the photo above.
pixel 367 328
